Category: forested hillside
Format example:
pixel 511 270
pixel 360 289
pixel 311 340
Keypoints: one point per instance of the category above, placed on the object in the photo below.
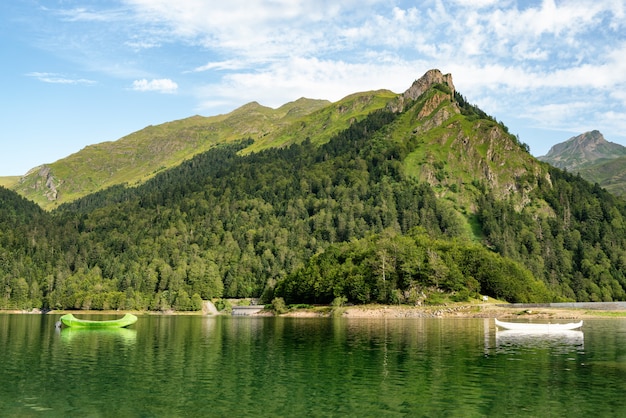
pixel 379 213
pixel 25 250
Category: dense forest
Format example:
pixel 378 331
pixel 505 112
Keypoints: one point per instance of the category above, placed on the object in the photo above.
pixel 311 223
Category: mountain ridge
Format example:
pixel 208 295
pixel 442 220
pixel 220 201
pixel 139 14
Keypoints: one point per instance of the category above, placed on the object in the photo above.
pixel 578 151
pixel 594 158
pixel 136 157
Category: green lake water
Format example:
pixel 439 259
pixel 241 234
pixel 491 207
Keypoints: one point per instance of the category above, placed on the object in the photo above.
pixel 195 366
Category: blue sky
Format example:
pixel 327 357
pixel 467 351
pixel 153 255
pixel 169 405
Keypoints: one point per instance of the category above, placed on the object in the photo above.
pixel 77 72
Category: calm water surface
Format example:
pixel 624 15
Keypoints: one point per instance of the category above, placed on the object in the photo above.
pixel 193 366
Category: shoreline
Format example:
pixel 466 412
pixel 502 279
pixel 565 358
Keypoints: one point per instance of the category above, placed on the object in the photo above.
pixel 460 310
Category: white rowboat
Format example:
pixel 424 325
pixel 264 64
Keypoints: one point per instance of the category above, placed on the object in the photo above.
pixel 532 327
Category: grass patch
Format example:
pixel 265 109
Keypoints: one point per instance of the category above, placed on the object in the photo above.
pixel 297 306
pixel 607 314
pixel 9 181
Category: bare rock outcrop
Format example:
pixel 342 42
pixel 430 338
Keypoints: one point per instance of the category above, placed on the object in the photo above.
pixel 421 85
pixel 46 183
pixel 426 81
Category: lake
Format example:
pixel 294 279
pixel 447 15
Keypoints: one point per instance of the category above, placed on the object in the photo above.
pixel 199 366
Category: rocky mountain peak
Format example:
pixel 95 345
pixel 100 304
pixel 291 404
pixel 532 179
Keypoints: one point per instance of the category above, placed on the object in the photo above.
pixel 583 143
pixel 583 149
pixel 592 138
pixel 426 81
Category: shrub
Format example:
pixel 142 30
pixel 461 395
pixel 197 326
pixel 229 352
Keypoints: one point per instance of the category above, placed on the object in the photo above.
pixel 461 296
pixel 300 306
pixel 339 301
pixel 223 305
pixel 435 298
pixel 279 306
pixel 337 306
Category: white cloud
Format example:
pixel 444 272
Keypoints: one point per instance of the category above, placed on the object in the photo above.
pixel 486 44
pixel 222 65
pixel 548 18
pixel 483 33
pixel 82 14
pixel 476 3
pixel 54 78
pixel 162 85
pixel 394 28
pixel 516 58
pixel 142 44
pixel 235 24
pixel 308 77
pixel 258 30
pixel 613 123
pixel 558 113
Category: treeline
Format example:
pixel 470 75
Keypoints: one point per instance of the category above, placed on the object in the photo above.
pixel 308 223
pixel 27 247
pixel 413 268
pixel 575 243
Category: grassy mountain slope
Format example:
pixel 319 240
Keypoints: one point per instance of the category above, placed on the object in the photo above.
pixel 9 181
pixel 458 151
pixel 319 126
pixel 138 156
pixel 609 174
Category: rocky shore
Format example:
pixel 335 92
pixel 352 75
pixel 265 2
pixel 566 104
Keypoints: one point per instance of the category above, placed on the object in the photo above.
pixel 455 311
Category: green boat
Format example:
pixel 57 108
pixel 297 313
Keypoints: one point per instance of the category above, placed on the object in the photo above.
pixel 70 320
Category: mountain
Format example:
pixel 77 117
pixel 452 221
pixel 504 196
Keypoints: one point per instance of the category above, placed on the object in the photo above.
pixel 589 148
pixel 417 197
pixel 139 156
pixel 594 158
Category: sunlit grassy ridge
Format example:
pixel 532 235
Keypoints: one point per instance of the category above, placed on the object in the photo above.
pixel 319 126
pixel 137 157
pixel 9 181
pixel 454 149
pixel 461 155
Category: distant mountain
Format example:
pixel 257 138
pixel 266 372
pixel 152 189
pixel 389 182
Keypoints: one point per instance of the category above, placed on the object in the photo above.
pixel 594 158
pixel 582 150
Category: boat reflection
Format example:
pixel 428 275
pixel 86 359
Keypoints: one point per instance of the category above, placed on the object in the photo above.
pixel 562 340
pixel 125 335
